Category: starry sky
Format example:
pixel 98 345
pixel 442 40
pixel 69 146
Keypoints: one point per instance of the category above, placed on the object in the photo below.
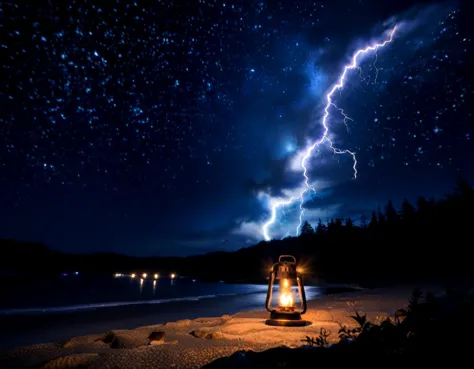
pixel 171 127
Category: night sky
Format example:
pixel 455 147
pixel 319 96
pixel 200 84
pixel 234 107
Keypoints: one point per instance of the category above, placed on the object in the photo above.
pixel 171 127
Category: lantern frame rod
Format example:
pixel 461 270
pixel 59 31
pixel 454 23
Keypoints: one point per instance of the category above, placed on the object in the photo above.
pixel 299 279
pixel 270 292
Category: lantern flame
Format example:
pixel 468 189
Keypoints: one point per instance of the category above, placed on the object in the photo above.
pixel 286 300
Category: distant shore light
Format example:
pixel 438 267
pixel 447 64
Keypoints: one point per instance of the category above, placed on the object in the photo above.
pixel 173 276
pixel 144 275
pixel 156 276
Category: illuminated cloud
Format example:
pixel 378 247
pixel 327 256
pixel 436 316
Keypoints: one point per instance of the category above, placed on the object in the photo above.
pixel 252 229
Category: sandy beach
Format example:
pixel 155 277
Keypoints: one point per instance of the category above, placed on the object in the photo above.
pixel 192 343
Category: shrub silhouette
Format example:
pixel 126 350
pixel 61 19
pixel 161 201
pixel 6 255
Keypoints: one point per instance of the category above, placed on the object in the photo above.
pixel 430 330
pixel 427 324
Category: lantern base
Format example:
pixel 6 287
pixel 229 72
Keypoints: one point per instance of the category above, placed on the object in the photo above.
pixel 281 319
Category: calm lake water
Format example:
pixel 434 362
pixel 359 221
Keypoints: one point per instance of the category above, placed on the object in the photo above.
pixel 78 292
pixel 36 310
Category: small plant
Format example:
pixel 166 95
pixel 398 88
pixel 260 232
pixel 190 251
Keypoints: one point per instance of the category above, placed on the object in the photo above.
pixel 351 334
pixel 321 341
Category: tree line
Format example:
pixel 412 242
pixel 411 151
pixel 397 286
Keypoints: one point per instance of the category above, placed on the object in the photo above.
pixel 430 238
pixel 426 240
pixel 454 210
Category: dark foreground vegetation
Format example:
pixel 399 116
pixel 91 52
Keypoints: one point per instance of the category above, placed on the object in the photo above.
pixel 430 330
pixel 411 242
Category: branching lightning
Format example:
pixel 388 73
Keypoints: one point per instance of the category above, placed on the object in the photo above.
pixel 324 138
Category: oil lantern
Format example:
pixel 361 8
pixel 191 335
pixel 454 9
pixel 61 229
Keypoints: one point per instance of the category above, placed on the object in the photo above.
pixel 290 282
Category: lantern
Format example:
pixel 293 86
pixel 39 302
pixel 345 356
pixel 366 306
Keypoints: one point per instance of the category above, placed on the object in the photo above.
pixel 286 313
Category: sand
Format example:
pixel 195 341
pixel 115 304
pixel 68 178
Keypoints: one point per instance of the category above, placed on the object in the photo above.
pixel 193 343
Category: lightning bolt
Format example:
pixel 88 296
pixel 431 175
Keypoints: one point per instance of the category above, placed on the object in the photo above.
pixel 346 117
pixel 324 138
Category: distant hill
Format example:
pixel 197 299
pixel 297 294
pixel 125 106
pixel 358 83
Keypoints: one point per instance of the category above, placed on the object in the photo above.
pixel 427 240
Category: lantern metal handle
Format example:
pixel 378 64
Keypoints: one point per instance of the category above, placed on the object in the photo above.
pixel 286 257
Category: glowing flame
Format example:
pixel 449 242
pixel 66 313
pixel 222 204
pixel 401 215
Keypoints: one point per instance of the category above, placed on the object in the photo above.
pixel 286 300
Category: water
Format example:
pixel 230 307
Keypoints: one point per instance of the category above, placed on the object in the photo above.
pixel 37 310
pixel 77 292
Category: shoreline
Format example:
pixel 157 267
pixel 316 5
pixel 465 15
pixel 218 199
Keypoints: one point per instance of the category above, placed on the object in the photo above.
pixel 55 309
pixel 51 326
pixel 194 341
pixel 54 325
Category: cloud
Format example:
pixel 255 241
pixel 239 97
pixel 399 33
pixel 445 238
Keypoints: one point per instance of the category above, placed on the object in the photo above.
pixel 250 230
pixel 294 164
pixel 421 17
pixel 288 217
pixel 284 177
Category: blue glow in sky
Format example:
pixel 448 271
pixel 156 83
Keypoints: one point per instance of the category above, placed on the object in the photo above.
pixel 162 129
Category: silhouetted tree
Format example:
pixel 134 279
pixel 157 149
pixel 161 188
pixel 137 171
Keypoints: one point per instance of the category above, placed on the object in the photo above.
pixel 390 213
pixel 363 221
pixel 338 224
pixel 422 204
pixel 349 223
pixel 463 188
pixel 408 211
pixel 373 220
pixel 380 217
pixel 331 225
pixel 321 228
pixel 306 228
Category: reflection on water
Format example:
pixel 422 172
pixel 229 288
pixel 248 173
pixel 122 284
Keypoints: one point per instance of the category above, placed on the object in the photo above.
pixel 96 290
pixel 144 282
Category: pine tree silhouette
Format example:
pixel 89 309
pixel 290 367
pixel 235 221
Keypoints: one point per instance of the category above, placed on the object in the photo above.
pixel 407 212
pixel 373 220
pixel 321 228
pixel 390 213
pixel 349 223
pixel 306 228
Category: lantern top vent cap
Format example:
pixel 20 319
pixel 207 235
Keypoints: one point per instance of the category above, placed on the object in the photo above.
pixel 285 267
pixel 282 258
